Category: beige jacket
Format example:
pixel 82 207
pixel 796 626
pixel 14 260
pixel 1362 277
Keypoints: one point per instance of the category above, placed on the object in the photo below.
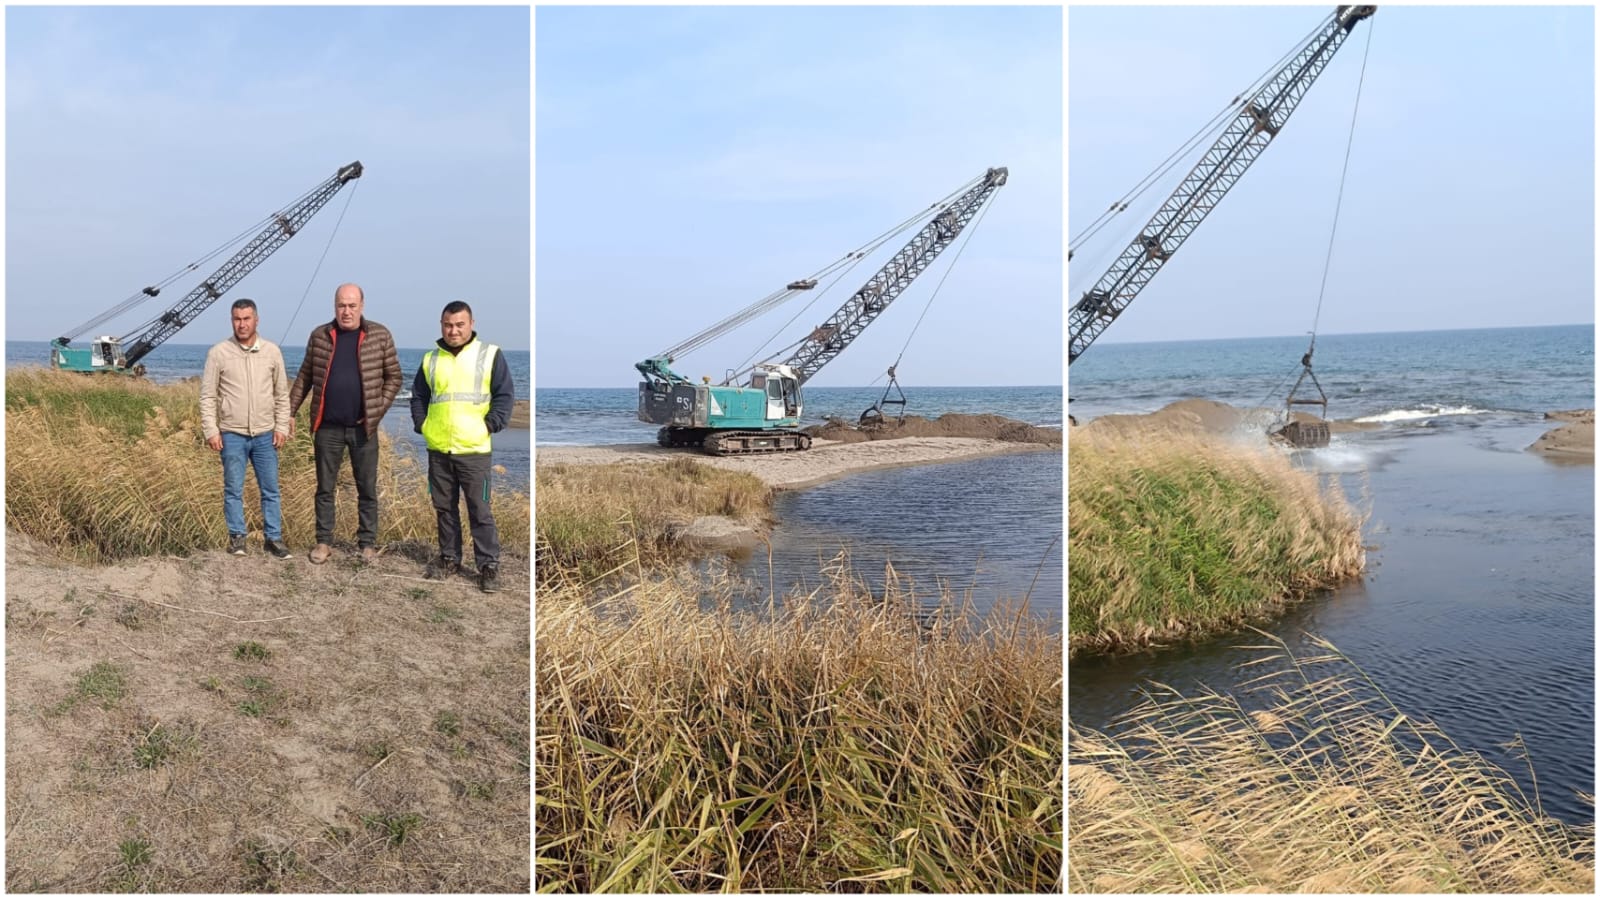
pixel 244 391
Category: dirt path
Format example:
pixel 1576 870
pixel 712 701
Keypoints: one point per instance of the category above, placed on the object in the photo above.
pixel 825 460
pixel 221 724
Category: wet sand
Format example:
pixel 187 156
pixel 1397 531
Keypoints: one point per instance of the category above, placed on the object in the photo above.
pixel 825 461
pixel 1573 441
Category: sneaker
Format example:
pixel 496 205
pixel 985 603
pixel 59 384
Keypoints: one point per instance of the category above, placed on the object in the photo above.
pixel 236 544
pixel 321 553
pixel 489 578
pixel 370 554
pixel 441 568
pixel 276 549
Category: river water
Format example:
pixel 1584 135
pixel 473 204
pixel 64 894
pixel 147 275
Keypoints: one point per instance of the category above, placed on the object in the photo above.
pixel 1477 610
pixel 990 529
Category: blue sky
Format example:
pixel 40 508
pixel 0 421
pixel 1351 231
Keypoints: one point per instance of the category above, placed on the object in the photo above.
pixel 138 139
pixel 1470 199
pixel 691 160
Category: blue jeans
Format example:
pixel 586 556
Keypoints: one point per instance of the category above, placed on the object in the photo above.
pixel 238 449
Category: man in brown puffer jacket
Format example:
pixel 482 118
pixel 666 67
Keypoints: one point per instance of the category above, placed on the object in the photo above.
pixel 351 374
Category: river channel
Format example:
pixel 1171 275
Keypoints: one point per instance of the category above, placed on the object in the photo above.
pixel 1477 610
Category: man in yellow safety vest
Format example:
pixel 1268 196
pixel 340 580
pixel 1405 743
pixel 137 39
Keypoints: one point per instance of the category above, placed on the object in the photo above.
pixel 462 393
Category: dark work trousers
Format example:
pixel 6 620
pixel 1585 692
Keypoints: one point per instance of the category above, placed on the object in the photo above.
pixel 449 477
pixel 330 443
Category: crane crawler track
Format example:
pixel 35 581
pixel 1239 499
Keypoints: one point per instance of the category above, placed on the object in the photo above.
pixel 750 443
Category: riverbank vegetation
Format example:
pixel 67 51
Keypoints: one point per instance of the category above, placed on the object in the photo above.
pixel 826 741
pixel 588 512
pixel 104 468
pixel 1322 786
pixel 1181 537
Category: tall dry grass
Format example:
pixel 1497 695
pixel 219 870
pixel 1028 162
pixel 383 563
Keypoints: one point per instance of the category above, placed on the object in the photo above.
pixel 1183 536
pixel 586 512
pixel 106 468
pixel 833 745
pixel 1330 788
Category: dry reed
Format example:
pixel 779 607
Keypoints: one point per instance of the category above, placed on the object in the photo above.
pixel 1181 538
pixel 587 511
pixel 106 468
pixel 833 743
pixel 1328 788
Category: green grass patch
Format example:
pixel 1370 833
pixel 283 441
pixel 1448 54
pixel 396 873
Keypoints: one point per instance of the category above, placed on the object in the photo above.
pixel 103 684
pixel 251 651
pixel 1176 539
pixel 395 828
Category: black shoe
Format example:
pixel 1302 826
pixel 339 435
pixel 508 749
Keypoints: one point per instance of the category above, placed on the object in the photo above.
pixel 236 544
pixel 441 568
pixel 276 550
pixel 489 578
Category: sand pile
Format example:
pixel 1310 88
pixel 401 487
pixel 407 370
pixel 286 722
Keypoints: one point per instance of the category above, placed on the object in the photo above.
pixel 1573 440
pixel 951 424
pixel 1198 416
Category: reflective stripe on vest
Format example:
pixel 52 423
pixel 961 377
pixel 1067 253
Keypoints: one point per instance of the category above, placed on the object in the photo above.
pixel 459 400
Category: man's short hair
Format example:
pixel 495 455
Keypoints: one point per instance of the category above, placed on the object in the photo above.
pixel 454 306
pixel 243 303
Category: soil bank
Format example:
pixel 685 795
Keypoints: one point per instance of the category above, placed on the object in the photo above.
pixel 264 726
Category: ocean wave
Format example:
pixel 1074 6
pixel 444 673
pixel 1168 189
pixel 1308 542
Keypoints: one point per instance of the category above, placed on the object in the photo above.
pixel 1395 415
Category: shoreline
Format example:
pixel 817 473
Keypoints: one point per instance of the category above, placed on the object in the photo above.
pixel 826 461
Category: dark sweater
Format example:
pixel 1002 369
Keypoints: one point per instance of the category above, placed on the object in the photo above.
pixel 342 402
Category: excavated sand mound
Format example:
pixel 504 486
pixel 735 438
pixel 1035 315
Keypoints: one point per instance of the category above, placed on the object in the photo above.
pixel 1574 440
pixel 951 424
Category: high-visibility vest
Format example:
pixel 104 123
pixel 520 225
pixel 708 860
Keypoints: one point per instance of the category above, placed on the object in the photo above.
pixel 459 384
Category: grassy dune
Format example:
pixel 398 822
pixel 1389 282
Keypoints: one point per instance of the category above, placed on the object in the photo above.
pixel 587 511
pixel 834 745
pixel 1327 788
pixel 1178 538
pixel 106 468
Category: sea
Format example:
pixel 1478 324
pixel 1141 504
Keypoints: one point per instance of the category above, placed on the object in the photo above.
pixel 174 361
pixel 1477 608
pixel 985 531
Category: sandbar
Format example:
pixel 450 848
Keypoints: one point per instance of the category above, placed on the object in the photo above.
pixel 1573 441
pixel 825 461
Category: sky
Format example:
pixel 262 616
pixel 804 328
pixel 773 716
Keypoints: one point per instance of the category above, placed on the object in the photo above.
pixel 1470 196
pixel 692 160
pixel 139 139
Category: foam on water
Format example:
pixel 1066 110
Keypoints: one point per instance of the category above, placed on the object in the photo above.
pixel 1395 415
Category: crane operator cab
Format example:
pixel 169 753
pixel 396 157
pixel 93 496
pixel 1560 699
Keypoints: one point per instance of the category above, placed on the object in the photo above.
pixel 102 354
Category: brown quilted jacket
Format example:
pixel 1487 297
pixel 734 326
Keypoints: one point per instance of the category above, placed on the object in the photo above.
pixel 380 372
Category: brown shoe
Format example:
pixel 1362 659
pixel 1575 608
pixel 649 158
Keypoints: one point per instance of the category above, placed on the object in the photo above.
pixel 370 554
pixel 321 553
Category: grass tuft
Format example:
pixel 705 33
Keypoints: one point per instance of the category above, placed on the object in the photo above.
pixel 1184 538
pixel 588 512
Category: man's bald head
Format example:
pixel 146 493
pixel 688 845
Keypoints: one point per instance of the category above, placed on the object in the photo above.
pixel 348 303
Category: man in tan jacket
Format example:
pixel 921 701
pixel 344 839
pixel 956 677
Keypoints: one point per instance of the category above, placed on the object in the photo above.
pixel 244 415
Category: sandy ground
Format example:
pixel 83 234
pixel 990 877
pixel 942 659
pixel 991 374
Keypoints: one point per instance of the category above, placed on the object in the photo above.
pixel 825 460
pixel 379 741
pixel 519 415
pixel 1197 416
pixel 1573 441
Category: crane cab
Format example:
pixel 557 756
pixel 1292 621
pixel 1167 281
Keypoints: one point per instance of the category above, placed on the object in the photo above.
pixel 103 354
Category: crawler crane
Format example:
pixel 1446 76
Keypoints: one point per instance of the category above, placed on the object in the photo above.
pixel 762 414
pixel 122 354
